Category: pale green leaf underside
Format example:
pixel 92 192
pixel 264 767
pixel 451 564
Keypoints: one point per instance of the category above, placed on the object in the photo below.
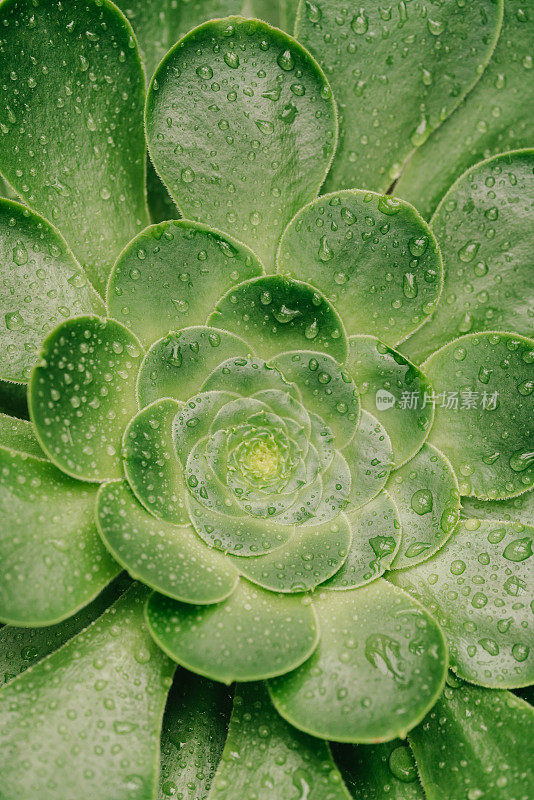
pixel 57 124
pixel 88 717
pixel 497 115
pixel 483 385
pixel 379 667
pixel 220 134
pixel 253 634
pixel 373 772
pixel 53 561
pixel 371 255
pixel 19 434
pixel 265 757
pixel 477 587
pixel 491 731
pixel 396 72
pixel 484 226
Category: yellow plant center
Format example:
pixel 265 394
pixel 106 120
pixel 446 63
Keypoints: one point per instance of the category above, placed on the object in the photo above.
pixel 263 460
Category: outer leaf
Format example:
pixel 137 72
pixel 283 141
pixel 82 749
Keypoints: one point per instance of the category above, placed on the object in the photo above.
pixel 193 734
pixel 82 394
pixel 395 391
pixel 383 770
pixel 18 434
pixel 53 561
pixel 41 283
pixel 275 314
pixel 396 73
pixel 517 509
pixel 369 456
pixel 266 757
pixel 371 255
pixel 485 434
pixel 254 634
pixel 81 165
pixel 475 743
pixel 171 276
pixel 476 586
pixel 425 492
pixel 85 722
pixel 171 559
pixel 496 116
pixel 484 226
pixel 241 126
pixel 379 667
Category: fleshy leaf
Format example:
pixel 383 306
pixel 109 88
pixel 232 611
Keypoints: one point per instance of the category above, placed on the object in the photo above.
pixel 482 424
pixel 497 115
pixel 41 283
pixel 475 743
pixel 171 276
pixel 311 556
pixel 53 561
pixel 376 537
pixel 21 648
pixel 72 134
pixel 371 255
pixel 373 772
pixel 326 390
pixel 275 314
pixel 253 634
pixel 99 698
pixel 247 376
pixel 369 456
pixel 177 365
pixel 484 226
pixel 247 157
pixel 18 434
pixel 517 509
pixel 82 395
pixel 425 491
pixel 171 559
pixel 194 420
pixel 476 587
pixel 150 464
pixel 396 73
pixel 263 754
pixel 378 669
pixel 193 735
pixel 395 391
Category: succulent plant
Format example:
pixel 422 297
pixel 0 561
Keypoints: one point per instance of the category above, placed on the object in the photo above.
pixel 270 430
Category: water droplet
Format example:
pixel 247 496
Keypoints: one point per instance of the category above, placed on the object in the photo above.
pixel 521 460
pixel 519 550
pixel 325 253
pixel 402 765
pixel 231 59
pixel 360 23
pixel 20 254
pixel 468 252
pixel 286 61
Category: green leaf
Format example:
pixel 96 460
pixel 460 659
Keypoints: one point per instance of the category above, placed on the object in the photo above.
pixel 82 395
pixel 53 561
pixel 476 587
pixel 86 721
pixel 373 772
pixel 474 744
pixel 371 255
pixel 369 456
pixel 395 391
pixel 482 423
pixel 497 115
pixel 241 126
pixel 425 492
pixel 253 634
pixel 18 434
pixel 193 734
pixel 21 648
pixel 171 276
pixel 177 365
pixel 150 464
pixel 247 376
pixel 275 314
pixel 266 757
pixel 326 389
pixel 312 555
pixel 376 537
pixel 41 283
pixel 517 509
pixel 484 226
pixel 72 134
pixel 193 422
pixel 171 559
pixel 396 73
pixel 378 669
